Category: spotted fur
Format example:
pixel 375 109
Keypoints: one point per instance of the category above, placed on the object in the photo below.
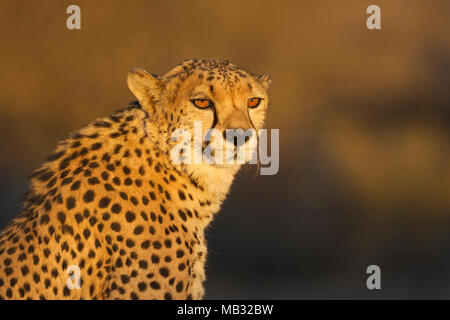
pixel 110 201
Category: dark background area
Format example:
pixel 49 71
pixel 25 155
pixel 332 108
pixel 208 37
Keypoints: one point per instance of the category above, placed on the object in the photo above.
pixel 364 119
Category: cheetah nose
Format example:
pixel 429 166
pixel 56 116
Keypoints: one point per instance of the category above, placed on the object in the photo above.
pixel 237 137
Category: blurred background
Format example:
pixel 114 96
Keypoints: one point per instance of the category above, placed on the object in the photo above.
pixel 364 119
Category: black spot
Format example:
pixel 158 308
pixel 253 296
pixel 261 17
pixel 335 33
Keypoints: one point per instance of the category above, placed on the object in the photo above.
pixel 104 202
pixel 180 253
pixel 126 170
pixel 179 286
pixel 134 296
pixel 47 206
pixel 182 215
pixel 55 156
pixel 46 175
pixel 101 123
pixel 164 272
pixel 70 203
pixel 66 181
pixel 93 181
pixel 94 165
pixel 66 291
pixel 44 219
pixel 138 230
pixel 138 152
pixel 130 216
pixel 87 173
pixel 8 271
pixel 143 264
pixel 64 174
pixel 145 244
pixel 65 246
pixel 125 279
pixel 105 175
pixel 116 208
pixel 109 187
pixel 157 245
pixel 64 163
pixel 123 195
pixel 24 270
pixel 116 181
pixel 54 273
pixel 61 217
pixel 92 221
pixel 167 296
pixel 155 285
pixel 142 286
pixel 96 146
pixel 89 196
pixel 155 259
pixel 130 243
pixel 181 195
pixel 75 185
pixel 134 200
pixel 115 226
pixel 36 278
pixel 91 290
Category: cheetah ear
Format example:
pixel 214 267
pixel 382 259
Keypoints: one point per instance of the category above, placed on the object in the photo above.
pixel 265 80
pixel 146 87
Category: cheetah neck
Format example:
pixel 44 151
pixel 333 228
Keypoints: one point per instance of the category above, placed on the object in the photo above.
pixel 215 181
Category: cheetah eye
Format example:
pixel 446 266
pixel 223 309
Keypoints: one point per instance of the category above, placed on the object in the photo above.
pixel 253 102
pixel 202 103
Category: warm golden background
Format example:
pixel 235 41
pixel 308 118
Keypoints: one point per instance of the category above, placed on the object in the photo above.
pixel 364 120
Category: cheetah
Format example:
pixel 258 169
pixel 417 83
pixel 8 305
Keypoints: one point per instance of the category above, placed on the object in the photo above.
pixel 111 202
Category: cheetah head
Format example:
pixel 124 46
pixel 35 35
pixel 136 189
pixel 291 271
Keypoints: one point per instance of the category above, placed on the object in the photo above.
pixel 199 95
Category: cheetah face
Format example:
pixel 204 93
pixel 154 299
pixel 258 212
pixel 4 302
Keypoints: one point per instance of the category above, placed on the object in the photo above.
pixel 223 104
